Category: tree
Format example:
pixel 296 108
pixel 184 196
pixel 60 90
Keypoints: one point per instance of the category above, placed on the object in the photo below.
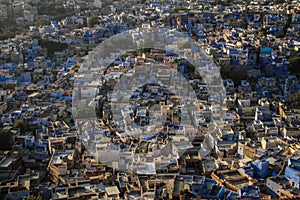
pixel 266 3
pixel 177 9
pixel 4 2
pixel 7 34
pixel 258 55
pixel 21 124
pixel 6 140
pixel 262 32
pixel 244 23
pixel 32 197
pixel 92 21
pixel 85 112
pixel 53 46
pixel 294 65
pixel 44 8
pixel 236 74
pixel 43 22
pixel 294 100
pixel 133 12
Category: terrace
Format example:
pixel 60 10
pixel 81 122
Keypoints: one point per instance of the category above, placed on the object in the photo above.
pixel 233 179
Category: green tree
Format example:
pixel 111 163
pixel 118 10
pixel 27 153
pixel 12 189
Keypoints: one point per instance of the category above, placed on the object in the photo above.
pixel 177 9
pixel 7 34
pixel 92 21
pixel 44 8
pixel 294 65
pixel 22 125
pixel 244 23
pixel 5 2
pixel 86 112
pixel 9 29
pixel 6 140
pixel 262 32
pixel 32 197
pixel 53 46
pixel 266 3
pixel 43 22
pixel 294 100
pixel 236 74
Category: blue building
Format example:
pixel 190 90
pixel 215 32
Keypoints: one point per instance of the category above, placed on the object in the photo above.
pixel 232 196
pixel 207 189
pixel 292 172
pixel 265 51
pixel 215 192
pixel 41 150
pixel 249 192
pixel 199 186
pixel 261 168
pixel 248 170
pixel 2 78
